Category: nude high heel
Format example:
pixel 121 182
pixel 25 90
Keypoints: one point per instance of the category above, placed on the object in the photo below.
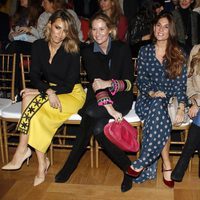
pixel 40 179
pixel 18 165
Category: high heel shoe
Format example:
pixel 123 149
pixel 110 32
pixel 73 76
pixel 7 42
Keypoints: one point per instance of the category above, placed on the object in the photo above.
pixel 131 172
pixel 40 179
pixel 170 183
pixel 18 165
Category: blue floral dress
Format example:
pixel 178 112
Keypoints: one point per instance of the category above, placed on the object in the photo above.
pixel 153 111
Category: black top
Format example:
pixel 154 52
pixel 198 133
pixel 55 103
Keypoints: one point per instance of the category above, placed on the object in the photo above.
pixel 117 64
pixel 4 31
pixel 63 71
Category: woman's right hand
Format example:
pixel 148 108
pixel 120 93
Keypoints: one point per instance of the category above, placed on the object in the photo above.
pixel 115 114
pixel 54 100
pixel 157 94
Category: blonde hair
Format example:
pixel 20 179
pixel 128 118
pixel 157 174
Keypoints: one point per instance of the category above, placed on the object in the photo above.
pixel 71 42
pixel 111 26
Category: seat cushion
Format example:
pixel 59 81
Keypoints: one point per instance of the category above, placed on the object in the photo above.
pixel 4 103
pixel 13 111
pixel 75 117
pixel 131 116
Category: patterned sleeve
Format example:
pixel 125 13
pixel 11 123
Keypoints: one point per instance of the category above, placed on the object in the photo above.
pixel 143 79
pixel 181 86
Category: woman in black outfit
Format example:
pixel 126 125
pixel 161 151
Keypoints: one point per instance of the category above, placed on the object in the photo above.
pixel 110 72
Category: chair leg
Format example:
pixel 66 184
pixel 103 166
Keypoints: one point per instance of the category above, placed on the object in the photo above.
pixel 51 153
pixel 92 152
pixel 138 139
pixel 97 154
pixel 199 163
pixel 5 140
pixel 1 144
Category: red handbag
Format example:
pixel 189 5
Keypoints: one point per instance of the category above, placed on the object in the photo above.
pixel 123 135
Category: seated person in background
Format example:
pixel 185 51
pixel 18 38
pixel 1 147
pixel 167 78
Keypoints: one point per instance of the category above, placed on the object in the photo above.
pixel 110 72
pixel 55 68
pixel 113 10
pixel 193 92
pixel 140 26
pixel 21 35
pixel 24 19
pixel 187 24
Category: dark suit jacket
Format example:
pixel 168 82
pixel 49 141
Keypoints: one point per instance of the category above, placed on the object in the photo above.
pixel 5 28
pixel 97 66
pixel 79 8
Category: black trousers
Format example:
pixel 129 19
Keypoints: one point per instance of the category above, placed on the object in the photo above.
pixel 93 121
pixel 192 144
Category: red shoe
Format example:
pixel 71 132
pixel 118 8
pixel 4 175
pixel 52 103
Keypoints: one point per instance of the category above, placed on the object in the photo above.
pixel 132 172
pixel 170 183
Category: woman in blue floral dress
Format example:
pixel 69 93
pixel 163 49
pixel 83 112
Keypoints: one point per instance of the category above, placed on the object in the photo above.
pixel 161 75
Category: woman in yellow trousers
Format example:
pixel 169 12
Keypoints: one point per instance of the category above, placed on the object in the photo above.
pixel 57 92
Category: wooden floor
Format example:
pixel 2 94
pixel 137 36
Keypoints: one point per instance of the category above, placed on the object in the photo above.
pixel 93 184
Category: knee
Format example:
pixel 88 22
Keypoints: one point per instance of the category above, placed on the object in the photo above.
pixel 90 112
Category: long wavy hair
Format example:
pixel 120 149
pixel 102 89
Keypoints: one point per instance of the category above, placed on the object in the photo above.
pixel 116 11
pixel 71 42
pixel 111 26
pixel 195 64
pixel 174 56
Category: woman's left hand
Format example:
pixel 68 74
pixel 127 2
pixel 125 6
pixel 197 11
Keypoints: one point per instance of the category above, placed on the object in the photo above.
pixel 179 117
pixel 193 111
pixel 100 84
pixel 24 29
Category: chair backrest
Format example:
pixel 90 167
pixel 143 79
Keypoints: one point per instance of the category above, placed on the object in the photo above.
pixel 83 74
pixel 25 63
pixel 7 75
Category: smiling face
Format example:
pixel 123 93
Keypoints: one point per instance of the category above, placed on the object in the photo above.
pixel 58 30
pixel 100 32
pixel 185 3
pixel 161 29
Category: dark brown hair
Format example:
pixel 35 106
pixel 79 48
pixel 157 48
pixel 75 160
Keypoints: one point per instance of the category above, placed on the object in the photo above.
pixel 174 56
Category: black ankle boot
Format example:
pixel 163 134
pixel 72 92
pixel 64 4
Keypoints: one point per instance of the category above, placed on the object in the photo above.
pixel 190 146
pixel 62 176
pixel 126 183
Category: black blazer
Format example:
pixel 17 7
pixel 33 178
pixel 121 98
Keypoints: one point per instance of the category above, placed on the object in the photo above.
pixel 63 72
pixel 97 66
